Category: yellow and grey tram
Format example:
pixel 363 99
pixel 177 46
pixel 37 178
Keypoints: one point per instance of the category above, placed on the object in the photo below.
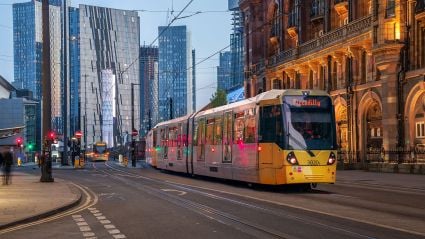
pixel 278 137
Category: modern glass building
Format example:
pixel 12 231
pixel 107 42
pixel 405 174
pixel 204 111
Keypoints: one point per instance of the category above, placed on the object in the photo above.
pixel 236 45
pixel 27 47
pixel 175 72
pixel 74 67
pixel 106 41
pixel 224 80
pixel 148 88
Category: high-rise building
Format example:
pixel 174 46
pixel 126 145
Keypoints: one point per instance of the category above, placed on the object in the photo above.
pixel 224 80
pixel 74 79
pixel 148 88
pixel 175 72
pixel 193 80
pixel 236 46
pixel 104 52
pixel 27 44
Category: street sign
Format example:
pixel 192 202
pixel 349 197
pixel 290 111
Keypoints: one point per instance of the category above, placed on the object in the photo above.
pixel 78 134
pixel 134 132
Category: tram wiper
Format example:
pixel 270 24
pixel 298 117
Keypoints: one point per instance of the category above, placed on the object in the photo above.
pixel 301 145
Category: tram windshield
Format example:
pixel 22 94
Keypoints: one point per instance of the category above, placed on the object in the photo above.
pixel 99 148
pixel 309 123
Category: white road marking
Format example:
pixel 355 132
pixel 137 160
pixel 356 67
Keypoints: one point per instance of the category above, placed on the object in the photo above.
pixel 181 193
pixel 119 236
pixel 95 211
pixel 82 224
pixel 97 214
pixel 80 219
pixel 92 208
pixel 105 221
pixel 101 218
pixel 85 228
pixel 114 231
pixel 76 216
pixel 109 226
pixel 88 234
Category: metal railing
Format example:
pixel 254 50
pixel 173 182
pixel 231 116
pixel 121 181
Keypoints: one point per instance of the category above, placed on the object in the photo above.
pixel 352 29
pixel 378 155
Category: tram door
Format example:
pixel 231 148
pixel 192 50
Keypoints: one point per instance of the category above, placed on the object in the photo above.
pixel 201 140
pixel 227 137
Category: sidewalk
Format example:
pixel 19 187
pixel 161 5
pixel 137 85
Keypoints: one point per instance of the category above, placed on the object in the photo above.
pixel 27 199
pixel 414 181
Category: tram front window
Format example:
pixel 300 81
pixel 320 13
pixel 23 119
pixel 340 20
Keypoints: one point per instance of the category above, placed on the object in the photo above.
pixel 309 123
pixel 100 149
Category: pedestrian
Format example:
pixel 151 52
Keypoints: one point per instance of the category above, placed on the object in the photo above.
pixel 7 168
pixel 2 165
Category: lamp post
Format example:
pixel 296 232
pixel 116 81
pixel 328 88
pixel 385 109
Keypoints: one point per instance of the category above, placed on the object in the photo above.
pixel 133 130
pixel 46 169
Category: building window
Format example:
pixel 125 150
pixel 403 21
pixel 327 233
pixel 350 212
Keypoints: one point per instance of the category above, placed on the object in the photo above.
pixel 390 10
pixel 420 129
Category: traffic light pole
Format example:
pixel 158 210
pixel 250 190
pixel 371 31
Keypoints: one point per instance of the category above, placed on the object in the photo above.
pixel 46 167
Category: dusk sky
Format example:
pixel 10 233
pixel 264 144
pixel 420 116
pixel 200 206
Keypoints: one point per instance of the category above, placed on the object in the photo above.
pixel 210 32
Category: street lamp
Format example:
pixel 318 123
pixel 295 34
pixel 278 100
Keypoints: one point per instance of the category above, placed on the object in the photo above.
pixel 133 130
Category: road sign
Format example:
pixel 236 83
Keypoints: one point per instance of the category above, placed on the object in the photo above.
pixel 78 134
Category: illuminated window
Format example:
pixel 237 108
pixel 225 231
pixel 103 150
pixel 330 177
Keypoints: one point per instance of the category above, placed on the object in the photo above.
pixel 420 129
pixel 390 10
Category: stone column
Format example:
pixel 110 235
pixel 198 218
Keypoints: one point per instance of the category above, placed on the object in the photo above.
pixel 387 61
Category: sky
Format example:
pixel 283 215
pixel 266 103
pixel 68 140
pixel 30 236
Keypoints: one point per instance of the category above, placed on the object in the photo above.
pixel 210 31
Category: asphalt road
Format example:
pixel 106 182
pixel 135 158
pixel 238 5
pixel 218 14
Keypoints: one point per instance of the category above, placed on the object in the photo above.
pixel 146 203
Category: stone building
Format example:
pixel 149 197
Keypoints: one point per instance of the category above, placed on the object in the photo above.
pixel 368 54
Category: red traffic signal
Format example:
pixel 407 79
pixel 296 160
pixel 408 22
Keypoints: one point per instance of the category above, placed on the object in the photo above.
pixel 19 141
pixel 52 135
pixel 78 134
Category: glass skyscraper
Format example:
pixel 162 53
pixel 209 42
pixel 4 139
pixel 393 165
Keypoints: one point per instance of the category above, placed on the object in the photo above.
pixel 27 47
pixel 104 47
pixel 236 45
pixel 224 80
pixel 175 72
pixel 148 88
pixel 74 67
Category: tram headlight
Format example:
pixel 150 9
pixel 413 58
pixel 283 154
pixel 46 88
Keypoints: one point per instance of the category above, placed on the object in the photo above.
pixel 332 159
pixel 292 159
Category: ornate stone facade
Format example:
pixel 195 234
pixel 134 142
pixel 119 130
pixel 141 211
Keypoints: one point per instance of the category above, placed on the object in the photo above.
pixel 368 54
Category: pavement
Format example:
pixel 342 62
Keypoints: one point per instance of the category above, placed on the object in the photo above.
pixel 27 199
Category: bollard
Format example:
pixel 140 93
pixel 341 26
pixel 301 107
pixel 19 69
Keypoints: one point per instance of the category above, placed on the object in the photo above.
pixel 120 158
pixel 19 162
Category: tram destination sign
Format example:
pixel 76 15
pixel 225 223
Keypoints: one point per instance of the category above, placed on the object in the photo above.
pixel 308 101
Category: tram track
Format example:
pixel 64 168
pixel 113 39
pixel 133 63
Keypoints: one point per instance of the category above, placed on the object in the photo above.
pixel 238 223
pixel 268 211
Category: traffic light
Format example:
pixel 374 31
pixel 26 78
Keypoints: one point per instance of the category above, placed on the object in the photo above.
pixel 52 135
pixel 30 146
pixel 19 141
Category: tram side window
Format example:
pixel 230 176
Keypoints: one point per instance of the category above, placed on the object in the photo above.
pixel 210 131
pixel 271 127
pixel 238 135
pixel 172 137
pixel 218 131
pixel 195 134
pixel 250 126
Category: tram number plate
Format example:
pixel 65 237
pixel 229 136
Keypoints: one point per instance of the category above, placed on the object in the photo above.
pixel 313 162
